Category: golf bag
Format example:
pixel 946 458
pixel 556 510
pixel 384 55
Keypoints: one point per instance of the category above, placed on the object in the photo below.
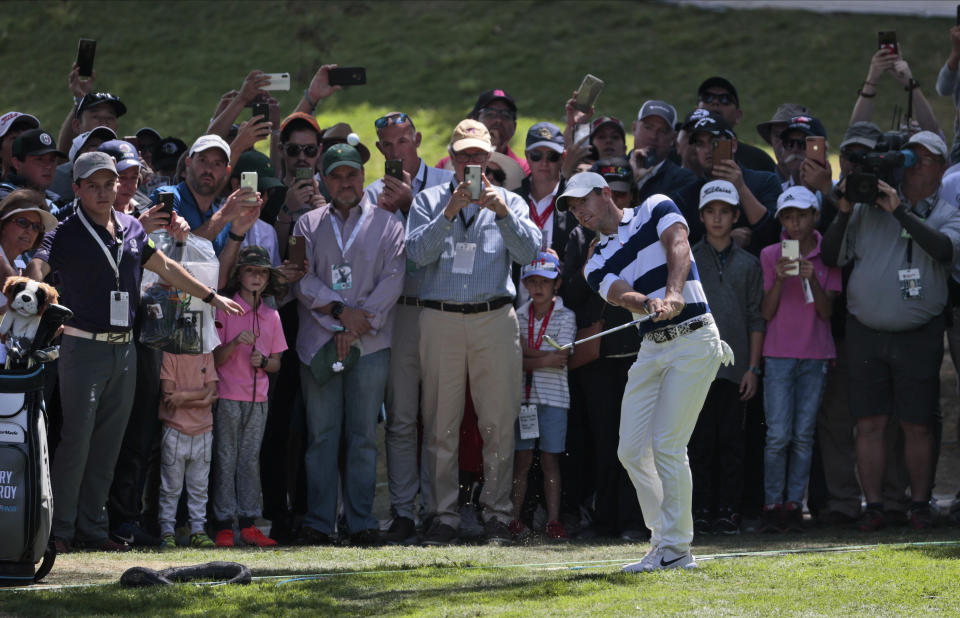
pixel 26 496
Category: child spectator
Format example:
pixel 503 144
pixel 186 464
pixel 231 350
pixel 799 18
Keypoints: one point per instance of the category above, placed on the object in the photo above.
pixel 797 303
pixel 545 388
pixel 252 345
pixel 189 386
pixel 733 281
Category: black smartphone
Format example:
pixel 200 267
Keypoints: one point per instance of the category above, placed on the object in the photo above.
pixel 303 173
pixel 86 50
pixel 261 109
pixel 297 253
pixel 393 167
pixel 347 76
pixel 166 199
pixel 887 39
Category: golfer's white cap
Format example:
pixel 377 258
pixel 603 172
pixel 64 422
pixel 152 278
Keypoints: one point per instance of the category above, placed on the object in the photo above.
pixel 580 185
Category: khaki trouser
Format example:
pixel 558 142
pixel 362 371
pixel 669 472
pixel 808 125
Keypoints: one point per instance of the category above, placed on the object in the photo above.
pixel 486 347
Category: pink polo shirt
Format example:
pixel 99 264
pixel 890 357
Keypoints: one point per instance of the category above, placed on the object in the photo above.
pixel 237 375
pixel 796 331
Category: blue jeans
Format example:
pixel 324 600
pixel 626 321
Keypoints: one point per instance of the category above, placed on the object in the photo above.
pixel 792 390
pixel 347 403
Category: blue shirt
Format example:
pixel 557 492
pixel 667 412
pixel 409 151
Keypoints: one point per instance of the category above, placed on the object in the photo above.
pixel 186 206
pixel 634 254
pixel 432 239
pixel 86 277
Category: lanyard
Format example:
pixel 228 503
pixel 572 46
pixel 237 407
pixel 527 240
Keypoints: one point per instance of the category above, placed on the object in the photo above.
pixel 353 235
pixel 535 344
pixel 466 222
pixel 541 219
pixel 114 264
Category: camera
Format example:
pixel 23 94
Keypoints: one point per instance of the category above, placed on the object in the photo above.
pixel 886 162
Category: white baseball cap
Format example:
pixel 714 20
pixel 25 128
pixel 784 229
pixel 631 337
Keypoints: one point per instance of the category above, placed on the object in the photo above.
pixel 580 185
pixel 80 141
pixel 797 197
pixel 8 120
pixel 719 190
pixel 206 142
pixel 932 142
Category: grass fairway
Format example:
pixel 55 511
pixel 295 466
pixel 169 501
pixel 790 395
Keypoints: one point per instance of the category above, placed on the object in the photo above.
pixel 747 575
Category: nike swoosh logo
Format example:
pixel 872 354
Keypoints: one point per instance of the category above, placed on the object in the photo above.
pixel 666 563
pixel 125 539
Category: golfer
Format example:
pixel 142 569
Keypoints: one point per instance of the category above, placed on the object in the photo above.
pixel 643 262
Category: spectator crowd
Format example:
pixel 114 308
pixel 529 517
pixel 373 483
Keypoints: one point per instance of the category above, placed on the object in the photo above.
pixel 440 299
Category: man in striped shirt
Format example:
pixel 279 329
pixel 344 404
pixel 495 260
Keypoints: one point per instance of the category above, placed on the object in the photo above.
pixel 643 262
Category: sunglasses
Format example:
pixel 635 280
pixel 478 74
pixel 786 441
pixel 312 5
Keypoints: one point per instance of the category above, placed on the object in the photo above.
pixel 490 113
pixel 715 97
pixel 28 224
pixel 799 144
pixel 536 155
pixel 383 121
pixel 309 150
pixel 466 157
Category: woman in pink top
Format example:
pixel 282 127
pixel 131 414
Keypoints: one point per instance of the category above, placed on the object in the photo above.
pixel 797 303
pixel 251 347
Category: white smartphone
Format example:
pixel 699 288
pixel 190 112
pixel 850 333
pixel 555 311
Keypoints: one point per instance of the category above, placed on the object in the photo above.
pixel 278 81
pixel 473 176
pixel 248 179
pixel 791 249
pixel 580 131
pixel 588 92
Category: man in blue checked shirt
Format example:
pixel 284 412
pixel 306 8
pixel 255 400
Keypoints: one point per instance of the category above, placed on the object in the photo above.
pixel 468 327
pixel 643 262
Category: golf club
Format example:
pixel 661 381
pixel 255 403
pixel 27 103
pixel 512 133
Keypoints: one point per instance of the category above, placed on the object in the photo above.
pixel 556 345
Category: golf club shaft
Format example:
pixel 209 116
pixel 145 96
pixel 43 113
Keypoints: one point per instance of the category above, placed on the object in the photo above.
pixel 614 329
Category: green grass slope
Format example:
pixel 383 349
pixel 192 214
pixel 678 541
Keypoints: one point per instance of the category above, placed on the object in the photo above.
pixel 171 61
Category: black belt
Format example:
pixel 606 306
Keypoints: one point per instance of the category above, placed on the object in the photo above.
pixel 411 301
pixel 496 303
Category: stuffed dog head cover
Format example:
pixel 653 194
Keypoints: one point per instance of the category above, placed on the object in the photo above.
pixel 28 297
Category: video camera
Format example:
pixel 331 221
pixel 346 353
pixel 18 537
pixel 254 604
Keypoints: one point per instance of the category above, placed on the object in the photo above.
pixel 886 162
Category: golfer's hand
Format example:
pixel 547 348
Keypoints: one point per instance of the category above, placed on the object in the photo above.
pixel 665 308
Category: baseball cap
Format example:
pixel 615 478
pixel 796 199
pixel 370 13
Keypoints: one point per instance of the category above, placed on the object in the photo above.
pixel 11 118
pixel 784 113
pixel 616 171
pixel 92 99
pixel 719 82
pixel 124 153
pixel 341 154
pixel 34 142
pixel 797 197
pixel 546 265
pixel 719 190
pixel 337 134
pixel 658 108
pixel 470 133
pixel 302 116
pixel 253 161
pixel 545 134
pixel 148 131
pixel 604 120
pixel 206 142
pixel 711 123
pixel 489 96
pixel 168 149
pixel 807 124
pixel 91 162
pixel 104 133
pixel 932 142
pixel 253 255
pixel 580 185
pixel 862 132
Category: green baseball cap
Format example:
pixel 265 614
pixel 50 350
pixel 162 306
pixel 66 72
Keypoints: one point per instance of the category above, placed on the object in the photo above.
pixel 253 161
pixel 341 154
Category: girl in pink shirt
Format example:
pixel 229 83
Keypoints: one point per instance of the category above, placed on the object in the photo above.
pixel 251 347
pixel 797 304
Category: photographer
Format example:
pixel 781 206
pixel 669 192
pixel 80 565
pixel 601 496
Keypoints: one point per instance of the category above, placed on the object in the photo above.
pixel 901 245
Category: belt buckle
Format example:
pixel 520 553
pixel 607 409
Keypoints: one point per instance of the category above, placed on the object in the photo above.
pixel 116 337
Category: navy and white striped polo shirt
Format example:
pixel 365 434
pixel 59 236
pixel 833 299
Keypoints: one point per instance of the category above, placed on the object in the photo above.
pixel 636 255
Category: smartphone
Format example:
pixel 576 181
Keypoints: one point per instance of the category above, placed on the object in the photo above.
pixel 166 199
pixel 86 50
pixel 278 81
pixel 347 76
pixel 297 253
pixel 588 92
pixel 473 175
pixel 393 167
pixel 887 39
pixel 791 249
pixel 248 179
pixel 261 109
pixel 817 149
pixel 722 150
pixel 302 173
pixel 581 130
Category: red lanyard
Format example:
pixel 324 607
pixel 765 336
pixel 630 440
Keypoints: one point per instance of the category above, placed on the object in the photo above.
pixel 541 219
pixel 535 345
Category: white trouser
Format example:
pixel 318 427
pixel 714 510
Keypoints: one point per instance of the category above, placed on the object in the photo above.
pixel 666 388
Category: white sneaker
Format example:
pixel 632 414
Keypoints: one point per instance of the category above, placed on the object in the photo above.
pixel 646 563
pixel 668 559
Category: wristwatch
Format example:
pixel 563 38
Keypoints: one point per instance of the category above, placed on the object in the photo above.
pixel 756 371
pixel 337 309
